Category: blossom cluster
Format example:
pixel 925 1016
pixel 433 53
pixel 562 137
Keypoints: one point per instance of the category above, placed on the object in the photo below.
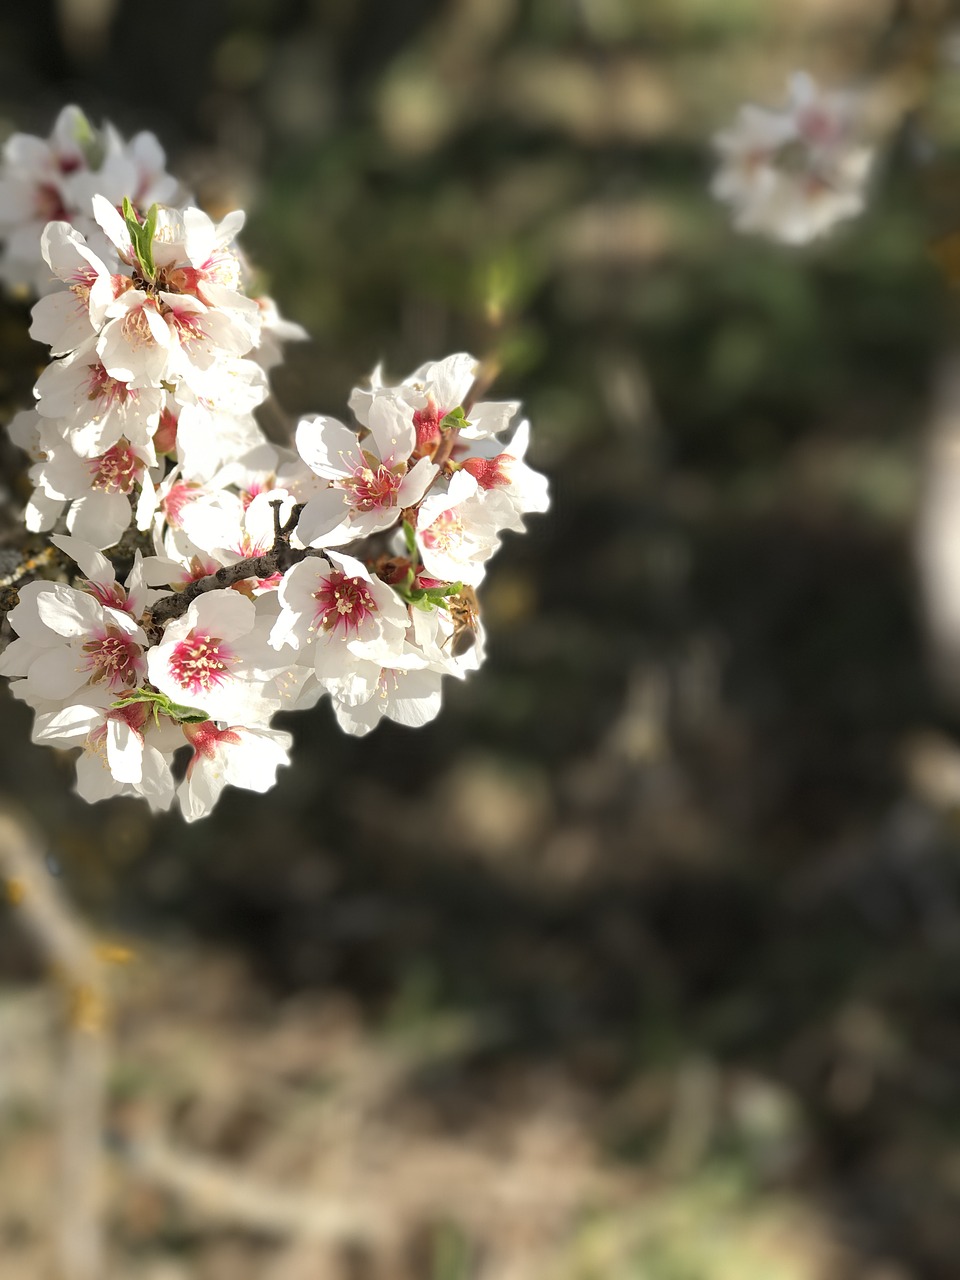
pixel 55 178
pixel 793 174
pixel 257 578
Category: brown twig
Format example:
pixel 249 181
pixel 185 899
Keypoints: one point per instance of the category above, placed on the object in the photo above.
pixel 216 1192
pixel 278 559
pixel 73 957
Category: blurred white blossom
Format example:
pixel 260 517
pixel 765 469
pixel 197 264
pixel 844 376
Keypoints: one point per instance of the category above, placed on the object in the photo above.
pixel 792 174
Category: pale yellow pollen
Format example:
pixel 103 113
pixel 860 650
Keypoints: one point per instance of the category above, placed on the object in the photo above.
pixel 136 328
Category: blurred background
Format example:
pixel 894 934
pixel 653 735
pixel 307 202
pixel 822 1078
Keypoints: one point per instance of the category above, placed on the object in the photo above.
pixel 643 961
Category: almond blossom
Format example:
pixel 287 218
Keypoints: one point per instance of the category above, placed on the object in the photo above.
pixel 344 569
pixel 793 174
pixel 96 408
pixel 431 392
pixel 217 659
pixel 98 490
pixel 459 530
pixel 238 755
pixel 62 320
pixel 500 468
pixel 55 178
pixel 335 609
pixel 123 751
pixel 100 577
pixel 408 695
pixel 368 486
pixel 67 640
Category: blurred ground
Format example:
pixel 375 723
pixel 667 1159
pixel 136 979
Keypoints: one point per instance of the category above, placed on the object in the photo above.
pixel 641 962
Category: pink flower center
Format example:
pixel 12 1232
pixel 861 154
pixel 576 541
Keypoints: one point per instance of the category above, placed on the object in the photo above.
pixel 197 568
pixel 179 496
pixel 110 594
pixel 179 279
pixel 108 390
pixel 445 534
pixel 113 658
pixel 815 186
pixel 249 547
pixel 115 471
pixel 48 204
pixel 223 268
pixel 201 662
pixel 187 327
pixel 343 603
pixel 818 127
pixel 372 490
pixel 80 283
pixel 258 487
pixel 136 327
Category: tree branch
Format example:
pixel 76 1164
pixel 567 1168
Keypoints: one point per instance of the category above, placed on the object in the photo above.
pixel 218 1192
pixel 278 559
pixel 282 556
pixel 73 956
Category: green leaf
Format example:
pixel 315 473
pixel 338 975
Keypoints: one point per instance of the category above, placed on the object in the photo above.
pixel 410 537
pixel 159 705
pixel 187 715
pixel 448 589
pixel 86 138
pixel 454 420
pixel 427 598
pixel 141 236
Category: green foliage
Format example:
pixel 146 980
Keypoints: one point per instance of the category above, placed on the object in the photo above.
pixel 159 704
pixel 141 236
pixel 427 598
pixel 451 1254
pixel 454 420
pixel 86 138
pixel 410 538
